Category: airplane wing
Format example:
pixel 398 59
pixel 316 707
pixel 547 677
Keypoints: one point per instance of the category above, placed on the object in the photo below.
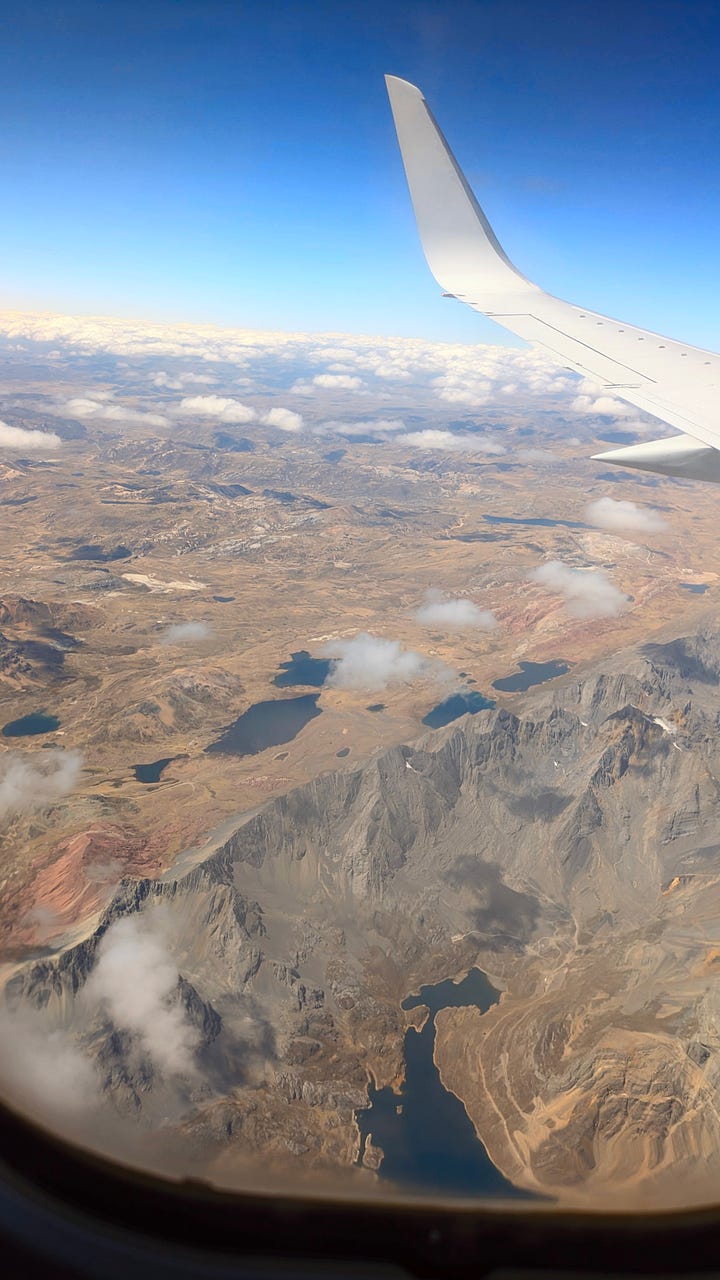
pixel 674 381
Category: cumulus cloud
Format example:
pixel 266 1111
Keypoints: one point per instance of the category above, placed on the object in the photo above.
pixel 371 663
pixel 337 381
pixel 588 593
pixel 186 632
pixel 21 438
pixel 223 408
pixel 370 426
pixel 84 408
pixel 453 614
pixel 136 979
pixel 180 380
pixel 285 419
pixel 433 438
pixel 34 782
pixel 593 400
pixel 624 517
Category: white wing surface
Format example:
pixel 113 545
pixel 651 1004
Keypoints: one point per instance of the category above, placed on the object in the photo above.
pixel 675 382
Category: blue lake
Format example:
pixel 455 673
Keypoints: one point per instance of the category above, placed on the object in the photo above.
pixel 458 704
pixel 538 522
pixel 428 1140
pixel 151 772
pixel 697 588
pixel 302 669
pixel 267 724
pixel 530 673
pixel 36 722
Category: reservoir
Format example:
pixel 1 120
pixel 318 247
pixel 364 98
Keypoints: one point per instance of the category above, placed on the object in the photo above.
pixel 697 588
pixel 428 1140
pixel 302 669
pixel 530 673
pixel 267 724
pixel 458 704
pixel 36 722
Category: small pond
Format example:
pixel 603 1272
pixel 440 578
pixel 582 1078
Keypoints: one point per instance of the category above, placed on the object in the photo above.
pixel 35 722
pixel 151 772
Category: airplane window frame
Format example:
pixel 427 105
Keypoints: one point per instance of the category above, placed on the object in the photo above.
pixel 75 1213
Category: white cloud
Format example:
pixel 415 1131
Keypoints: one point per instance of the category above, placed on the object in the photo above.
pixel 120 413
pixel 373 426
pixel 34 782
pixel 588 593
pixel 607 513
pixel 181 380
pixel 369 662
pixel 186 632
pixel 136 978
pixel 20 438
pixel 285 419
pixel 43 1069
pixel 337 381
pixel 432 438
pixel 223 408
pixel 453 614
pixel 593 400
pixel 83 408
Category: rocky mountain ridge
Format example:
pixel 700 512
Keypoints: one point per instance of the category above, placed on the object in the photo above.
pixel 573 852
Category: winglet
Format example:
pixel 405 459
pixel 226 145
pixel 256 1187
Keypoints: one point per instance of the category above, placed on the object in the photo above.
pixel 457 239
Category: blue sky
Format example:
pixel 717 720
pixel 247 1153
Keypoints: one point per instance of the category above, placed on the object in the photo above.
pixel 235 163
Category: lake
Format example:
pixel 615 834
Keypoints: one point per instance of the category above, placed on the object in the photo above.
pixel 376 706
pixel 538 522
pixel 35 722
pixel 458 704
pixel 267 724
pixel 151 772
pixel 530 673
pixel 302 669
pixel 428 1140
pixel 697 588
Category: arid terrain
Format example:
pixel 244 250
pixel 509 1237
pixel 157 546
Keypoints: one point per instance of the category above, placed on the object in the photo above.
pixel 222 506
